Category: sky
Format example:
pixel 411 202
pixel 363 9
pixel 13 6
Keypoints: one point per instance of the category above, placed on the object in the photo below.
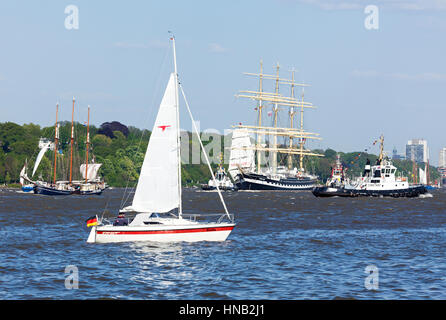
pixel 365 82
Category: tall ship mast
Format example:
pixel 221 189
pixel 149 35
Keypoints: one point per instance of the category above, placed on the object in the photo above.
pixel 266 164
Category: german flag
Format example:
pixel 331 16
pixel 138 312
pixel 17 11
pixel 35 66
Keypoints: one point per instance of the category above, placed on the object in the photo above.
pixel 92 221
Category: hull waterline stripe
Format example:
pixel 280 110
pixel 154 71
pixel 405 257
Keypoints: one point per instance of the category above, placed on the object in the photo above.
pixel 111 232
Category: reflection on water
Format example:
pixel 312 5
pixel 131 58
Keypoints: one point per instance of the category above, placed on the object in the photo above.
pixel 287 245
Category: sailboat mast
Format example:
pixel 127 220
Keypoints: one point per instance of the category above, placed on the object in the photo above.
pixel 259 156
pixel 72 139
pixel 56 138
pixel 180 207
pixel 302 140
pixel 88 143
pixel 276 109
pixel 292 112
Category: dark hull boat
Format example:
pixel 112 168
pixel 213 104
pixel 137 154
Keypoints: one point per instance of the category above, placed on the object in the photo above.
pixel 410 192
pixel 52 191
pixel 94 192
pixel 90 189
pixel 333 192
pixel 207 187
pixel 252 181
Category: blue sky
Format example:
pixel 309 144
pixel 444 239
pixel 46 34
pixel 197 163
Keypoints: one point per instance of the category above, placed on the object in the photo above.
pixel 364 82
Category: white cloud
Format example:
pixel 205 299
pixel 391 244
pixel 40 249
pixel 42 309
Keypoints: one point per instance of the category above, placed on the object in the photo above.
pixel 217 48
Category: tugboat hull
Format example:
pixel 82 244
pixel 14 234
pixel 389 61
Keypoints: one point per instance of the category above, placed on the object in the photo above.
pixel 333 192
pixel 412 191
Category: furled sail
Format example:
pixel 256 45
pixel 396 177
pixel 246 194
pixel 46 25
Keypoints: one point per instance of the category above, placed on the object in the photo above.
pixel 157 189
pixel 40 156
pixel 423 177
pixel 242 156
pixel 93 169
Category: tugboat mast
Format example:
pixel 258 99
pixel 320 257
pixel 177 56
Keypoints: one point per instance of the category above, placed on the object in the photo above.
pixel 381 149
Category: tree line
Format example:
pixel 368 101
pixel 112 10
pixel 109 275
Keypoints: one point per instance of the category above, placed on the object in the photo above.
pixel 122 154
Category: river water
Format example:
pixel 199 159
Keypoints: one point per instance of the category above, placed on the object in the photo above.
pixel 286 245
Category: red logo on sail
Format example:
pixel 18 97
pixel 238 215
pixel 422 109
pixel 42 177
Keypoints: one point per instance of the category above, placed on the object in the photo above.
pixel 163 127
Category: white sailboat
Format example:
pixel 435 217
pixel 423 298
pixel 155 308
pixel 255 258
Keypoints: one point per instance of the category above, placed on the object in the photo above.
pixel 26 186
pixel 159 191
pixel 27 182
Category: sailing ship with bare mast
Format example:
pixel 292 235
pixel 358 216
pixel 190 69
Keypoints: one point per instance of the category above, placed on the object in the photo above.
pixel 247 158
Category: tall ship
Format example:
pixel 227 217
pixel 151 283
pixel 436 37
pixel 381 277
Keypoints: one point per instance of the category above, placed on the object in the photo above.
pixel 266 163
pixel 91 183
pixel 377 180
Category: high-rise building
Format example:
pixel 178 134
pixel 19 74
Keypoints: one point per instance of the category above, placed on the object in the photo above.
pixel 416 150
pixel 442 158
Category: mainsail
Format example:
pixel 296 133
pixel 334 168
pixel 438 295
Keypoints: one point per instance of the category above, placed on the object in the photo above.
pixel 157 189
pixel 93 169
pixel 242 155
pixel 40 156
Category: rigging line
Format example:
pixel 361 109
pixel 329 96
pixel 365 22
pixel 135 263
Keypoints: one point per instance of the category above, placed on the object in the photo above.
pixel 126 194
pixel 204 151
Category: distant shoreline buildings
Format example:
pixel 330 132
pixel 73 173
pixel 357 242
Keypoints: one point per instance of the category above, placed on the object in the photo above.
pixel 417 150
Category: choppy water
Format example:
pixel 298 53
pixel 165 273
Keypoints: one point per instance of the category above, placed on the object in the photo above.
pixel 287 245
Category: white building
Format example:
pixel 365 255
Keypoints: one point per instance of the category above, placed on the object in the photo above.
pixel 442 158
pixel 417 150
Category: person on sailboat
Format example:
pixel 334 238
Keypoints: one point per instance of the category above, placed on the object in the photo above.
pixel 121 220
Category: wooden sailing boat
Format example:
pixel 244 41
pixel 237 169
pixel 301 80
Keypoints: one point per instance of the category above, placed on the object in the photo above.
pixel 55 187
pixel 159 190
pixel 250 175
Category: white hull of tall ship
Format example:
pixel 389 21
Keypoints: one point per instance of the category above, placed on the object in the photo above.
pixel 162 230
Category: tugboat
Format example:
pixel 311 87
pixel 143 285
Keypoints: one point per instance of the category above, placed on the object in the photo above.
pixel 378 180
pixel 335 185
pixel 221 179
